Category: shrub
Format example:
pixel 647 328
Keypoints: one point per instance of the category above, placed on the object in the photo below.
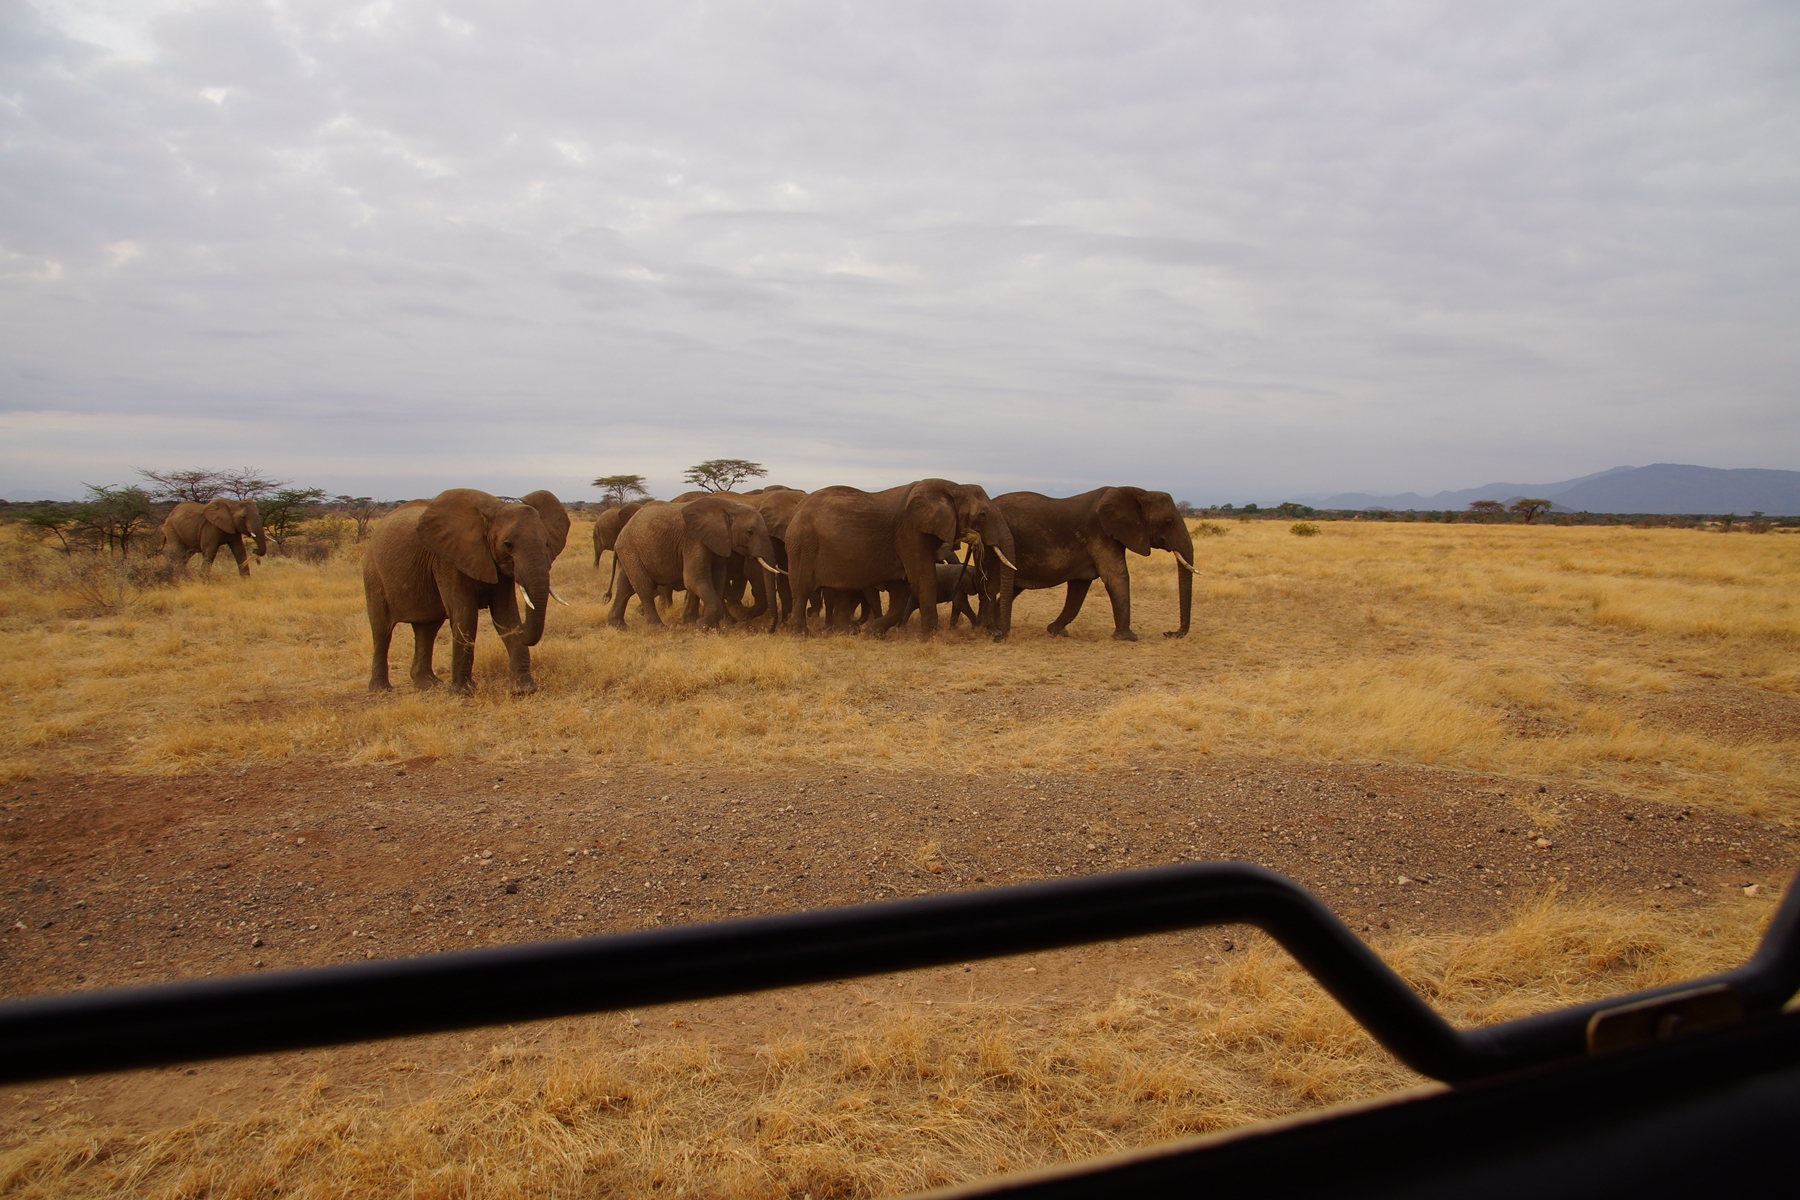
pixel 1303 529
pixel 1209 529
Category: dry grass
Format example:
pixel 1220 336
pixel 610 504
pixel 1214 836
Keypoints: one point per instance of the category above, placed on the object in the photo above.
pixel 914 1098
pixel 1574 653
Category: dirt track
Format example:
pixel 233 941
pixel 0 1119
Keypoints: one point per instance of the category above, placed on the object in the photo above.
pixel 132 880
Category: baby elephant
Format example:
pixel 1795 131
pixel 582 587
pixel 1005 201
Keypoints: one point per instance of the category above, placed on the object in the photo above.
pixel 687 545
pixel 955 583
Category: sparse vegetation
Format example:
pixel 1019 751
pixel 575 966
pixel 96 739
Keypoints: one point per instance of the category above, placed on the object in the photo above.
pixel 913 1097
pixel 1303 529
pixel 1458 645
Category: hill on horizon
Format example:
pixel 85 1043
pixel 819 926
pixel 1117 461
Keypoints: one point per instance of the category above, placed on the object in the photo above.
pixel 1664 488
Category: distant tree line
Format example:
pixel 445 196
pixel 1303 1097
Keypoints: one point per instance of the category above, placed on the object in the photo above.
pixel 115 518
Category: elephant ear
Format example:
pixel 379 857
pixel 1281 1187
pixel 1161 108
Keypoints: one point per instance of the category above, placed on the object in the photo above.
pixel 930 511
pixel 454 527
pixel 706 524
pixel 555 518
pixel 219 513
pixel 1122 519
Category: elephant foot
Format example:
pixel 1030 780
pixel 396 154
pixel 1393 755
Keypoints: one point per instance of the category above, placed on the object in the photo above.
pixel 462 689
pixel 1175 633
pixel 999 635
pixel 380 685
pixel 1124 635
pixel 426 682
pixel 524 687
pixel 1057 630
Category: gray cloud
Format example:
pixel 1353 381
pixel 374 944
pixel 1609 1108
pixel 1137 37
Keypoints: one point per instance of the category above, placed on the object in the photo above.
pixel 1238 252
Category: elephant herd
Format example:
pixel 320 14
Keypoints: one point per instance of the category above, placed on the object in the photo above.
pixel 833 553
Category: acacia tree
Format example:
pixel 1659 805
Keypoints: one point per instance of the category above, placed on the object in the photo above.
pixel 723 474
pixel 1485 509
pixel 361 509
pixel 247 483
pixel 282 513
pixel 1529 508
pixel 617 491
pixel 200 484
pixel 197 484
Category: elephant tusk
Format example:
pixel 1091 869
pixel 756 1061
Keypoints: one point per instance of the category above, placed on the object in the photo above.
pixel 559 599
pixel 1184 562
pixel 1003 559
pixel 527 596
pixel 769 566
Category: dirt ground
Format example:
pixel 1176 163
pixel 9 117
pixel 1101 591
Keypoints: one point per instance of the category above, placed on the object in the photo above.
pixel 111 881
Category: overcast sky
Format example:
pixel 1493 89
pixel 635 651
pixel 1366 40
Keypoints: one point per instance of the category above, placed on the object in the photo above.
pixel 1237 251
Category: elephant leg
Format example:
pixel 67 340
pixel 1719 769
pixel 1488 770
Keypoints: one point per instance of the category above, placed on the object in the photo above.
pixel 615 616
pixel 463 617
pixel 648 593
pixel 705 578
pixel 959 605
pixel 381 632
pixel 424 642
pixel 921 575
pixel 1117 578
pixel 237 551
pixel 901 606
pixel 508 623
pixel 1077 596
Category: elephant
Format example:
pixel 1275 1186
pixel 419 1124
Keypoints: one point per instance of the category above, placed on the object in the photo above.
pixel 1077 539
pixel 606 532
pixel 777 504
pixel 193 528
pixel 451 557
pixel 688 545
pixel 956 582
pixel 842 537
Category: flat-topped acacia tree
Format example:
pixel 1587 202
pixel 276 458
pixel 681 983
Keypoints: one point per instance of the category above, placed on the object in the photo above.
pixel 616 491
pixel 723 474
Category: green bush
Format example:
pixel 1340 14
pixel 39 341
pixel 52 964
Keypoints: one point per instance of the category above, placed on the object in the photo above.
pixel 1303 529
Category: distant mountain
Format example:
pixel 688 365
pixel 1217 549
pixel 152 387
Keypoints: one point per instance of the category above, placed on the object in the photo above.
pixel 1675 488
pixel 1658 488
pixel 1462 499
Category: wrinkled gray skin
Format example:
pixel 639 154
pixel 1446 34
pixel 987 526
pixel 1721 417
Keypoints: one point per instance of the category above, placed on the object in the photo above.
pixel 1078 539
pixel 955 584
pixel 842 537
pixel 606 532
pixel 777 505
pixel 449 558
pixel 192 528
pixel 687 545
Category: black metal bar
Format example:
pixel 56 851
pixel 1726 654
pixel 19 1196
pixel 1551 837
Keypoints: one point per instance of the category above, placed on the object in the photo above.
pixel 89 1032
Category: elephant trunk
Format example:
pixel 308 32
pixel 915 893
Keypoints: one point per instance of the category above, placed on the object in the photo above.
pixel 999 538
pixel 256 529
pixel 1184 578
pixel 533 577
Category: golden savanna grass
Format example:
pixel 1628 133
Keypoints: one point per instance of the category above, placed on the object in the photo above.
pixel 1630 658
pixel 913 1098
pixel 1575 653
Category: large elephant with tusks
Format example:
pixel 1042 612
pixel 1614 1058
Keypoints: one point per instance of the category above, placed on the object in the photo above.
pixel 451 557
pixel 842 537
pixel 1075 540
